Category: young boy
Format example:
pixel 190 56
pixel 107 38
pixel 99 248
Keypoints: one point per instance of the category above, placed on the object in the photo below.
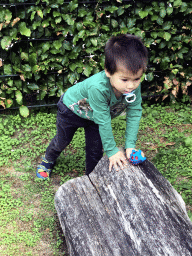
pixel 95 101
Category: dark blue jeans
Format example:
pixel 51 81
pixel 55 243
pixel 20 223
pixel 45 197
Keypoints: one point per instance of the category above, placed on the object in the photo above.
pixel 67 124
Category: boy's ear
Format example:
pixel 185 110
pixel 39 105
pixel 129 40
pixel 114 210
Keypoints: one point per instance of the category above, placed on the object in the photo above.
pixel 107 73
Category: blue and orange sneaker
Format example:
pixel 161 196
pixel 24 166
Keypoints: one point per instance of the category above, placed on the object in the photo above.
pixel 44 169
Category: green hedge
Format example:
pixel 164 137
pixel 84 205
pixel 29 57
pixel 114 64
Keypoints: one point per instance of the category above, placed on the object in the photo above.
pixel 49 45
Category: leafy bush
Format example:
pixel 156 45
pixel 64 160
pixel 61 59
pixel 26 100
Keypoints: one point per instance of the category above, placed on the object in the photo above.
pixel 49 45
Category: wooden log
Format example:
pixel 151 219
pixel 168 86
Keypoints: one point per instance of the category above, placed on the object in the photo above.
pixel 134 211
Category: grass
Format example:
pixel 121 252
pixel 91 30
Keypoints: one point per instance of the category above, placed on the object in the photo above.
pixel 29 223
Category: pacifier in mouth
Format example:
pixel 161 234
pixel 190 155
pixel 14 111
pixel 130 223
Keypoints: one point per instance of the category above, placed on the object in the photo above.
pixel 130 97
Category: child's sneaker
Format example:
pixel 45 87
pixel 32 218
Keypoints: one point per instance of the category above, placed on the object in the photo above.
pixel 44 169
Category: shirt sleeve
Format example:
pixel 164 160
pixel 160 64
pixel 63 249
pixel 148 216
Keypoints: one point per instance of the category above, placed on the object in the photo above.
pixel 133 116
pixel 98 100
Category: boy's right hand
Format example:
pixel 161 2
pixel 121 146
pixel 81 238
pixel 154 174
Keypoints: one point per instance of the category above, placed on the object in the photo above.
pixel 117 160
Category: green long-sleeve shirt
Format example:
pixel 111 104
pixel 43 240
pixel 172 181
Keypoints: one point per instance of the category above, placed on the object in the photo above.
pixel 94 99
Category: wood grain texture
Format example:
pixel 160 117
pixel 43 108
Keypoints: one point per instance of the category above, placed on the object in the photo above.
pixel 134 211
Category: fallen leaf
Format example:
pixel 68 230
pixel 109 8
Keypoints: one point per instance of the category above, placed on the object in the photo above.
pixel 170 144
pixel 175 82
pixel 22 78
pixel 164 97
pixel 15 21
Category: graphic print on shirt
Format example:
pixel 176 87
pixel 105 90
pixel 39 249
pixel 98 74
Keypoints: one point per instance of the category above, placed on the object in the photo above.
pixel 82 106
pixel 117 109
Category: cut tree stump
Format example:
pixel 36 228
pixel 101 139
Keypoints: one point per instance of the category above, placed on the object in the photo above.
pixel 134 211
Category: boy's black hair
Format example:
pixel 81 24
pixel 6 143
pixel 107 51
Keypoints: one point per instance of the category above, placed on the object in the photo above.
pixel 127 50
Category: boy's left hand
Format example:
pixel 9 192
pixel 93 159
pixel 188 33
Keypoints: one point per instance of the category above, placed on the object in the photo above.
pixel 117 160
pixel 129 151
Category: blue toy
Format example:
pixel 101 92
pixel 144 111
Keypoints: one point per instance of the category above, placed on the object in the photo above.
pixel 136 157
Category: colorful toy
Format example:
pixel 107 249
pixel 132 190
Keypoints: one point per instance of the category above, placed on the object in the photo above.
pixel 136 157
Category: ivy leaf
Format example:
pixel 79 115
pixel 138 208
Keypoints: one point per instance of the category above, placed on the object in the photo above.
pixel 114 23
pixel 72 77
pixel 5 42
pixel 65 61
pixel 87 70
pixel 52 92
pixel 162 13
pixel 167 25
pixel 94 41
pixel 24 111
pixel 162 45
pixel 169 10
pixel 80 70
pixel 150 77
pixel 40 13
pixel 143 14
pixel 33 87
pixel 177 3
pixel 19 97
pixel 60 1
pixel 8 103
pixel 167 36
pixel 81 34
pixel 120 10
pixel 67 45
pixel 160 21
pixel 73 66
pixel 10 83
pixel 36 24
pixel 72 6
pixel 68 19
pixel 33 59
pixel 33 15
pixel 75 39
pixel 13 32
pixel 26 68
pixel 42 95
pixel 57 44
pixel 24 30
pixel 131 22
pixel 7 69
pixel 154 17
pixel 46 47
pixel 24 56
pixel 56 14
pixel 82 12
pixel 111 9
pixel 106 28
pixel 58 20
pixel 8 15
pixel 154 35
pixel 79 26
pixel 184 7
pixel 45 23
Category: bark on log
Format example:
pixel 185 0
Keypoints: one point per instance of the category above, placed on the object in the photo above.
pixel 134 211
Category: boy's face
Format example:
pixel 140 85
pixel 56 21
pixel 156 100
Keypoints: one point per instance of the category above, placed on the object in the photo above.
pixel 124 81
